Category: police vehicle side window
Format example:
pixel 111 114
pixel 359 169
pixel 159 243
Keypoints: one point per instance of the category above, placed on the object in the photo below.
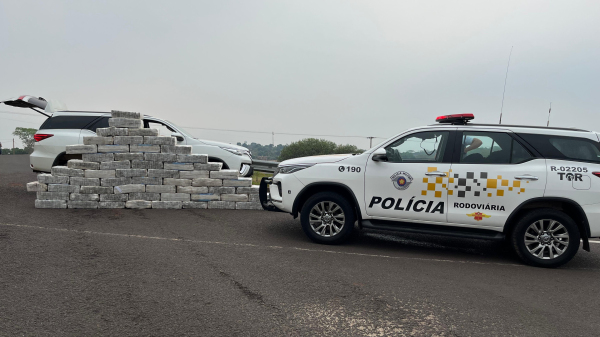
pixel 422 147
pixel 581 149
pixel 491 148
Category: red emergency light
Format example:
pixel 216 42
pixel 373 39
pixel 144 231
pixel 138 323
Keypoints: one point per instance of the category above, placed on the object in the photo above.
pixel 455 119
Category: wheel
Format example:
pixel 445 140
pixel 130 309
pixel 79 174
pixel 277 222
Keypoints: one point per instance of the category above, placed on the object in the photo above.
pixel 327 218
pixel 546 238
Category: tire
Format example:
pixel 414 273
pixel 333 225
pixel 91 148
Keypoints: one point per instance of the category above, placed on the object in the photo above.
pixel 547 239
pixel 327 230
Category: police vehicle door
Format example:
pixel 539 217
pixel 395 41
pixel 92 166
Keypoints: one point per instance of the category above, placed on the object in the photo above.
pixel 492 173
pixel 411 184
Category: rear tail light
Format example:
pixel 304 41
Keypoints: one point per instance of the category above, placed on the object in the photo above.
pixel 41 136
pixel 597 174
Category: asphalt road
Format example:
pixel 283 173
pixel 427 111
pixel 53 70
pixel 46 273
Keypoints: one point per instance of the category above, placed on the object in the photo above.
pixel 254 273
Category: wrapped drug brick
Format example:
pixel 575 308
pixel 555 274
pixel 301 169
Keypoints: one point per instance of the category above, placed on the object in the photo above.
pixel 205 197
pixel 50 204
pixel 65 171
pixel 112 182
pixel 83 165
pixel 138 204
pixel 192 189
pixel 111 131
pixel 210 166
pixel 113 148
pixel 239 182
pixel 175 197
pixel 224 174
pixel 82 204
pixel 63 188
pixel 144 148
pixel 179 166
pixel 125 114
pixel 146 180
pixel 177 149
pixel 192 158
pixel 207 182
pixel 100 173
pixel 143 164
pixel 50 179
pixel 114 165
pixel 128 156
pixel 128 140
pixel 177 182
pixel 162 188
pixel 97 140
pixel 81 149
pixel 36 186
pixel 84 197
pixel 114 198
pixel 53 195
pixel 145 196
pixel 98 157
pixel 234 197
pixel 193 174
pixel 132 188
pixel 143 132
pixel 84 181
pixel 129 123
pixel 160 140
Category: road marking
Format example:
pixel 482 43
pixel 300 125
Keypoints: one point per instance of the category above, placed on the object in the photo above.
pixel 273 247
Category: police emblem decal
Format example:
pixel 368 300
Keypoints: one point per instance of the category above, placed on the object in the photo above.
pixel 401 180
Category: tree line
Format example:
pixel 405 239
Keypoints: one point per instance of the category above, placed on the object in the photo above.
pixel 302 148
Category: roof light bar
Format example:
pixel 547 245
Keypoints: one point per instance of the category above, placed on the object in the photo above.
pixel 455 119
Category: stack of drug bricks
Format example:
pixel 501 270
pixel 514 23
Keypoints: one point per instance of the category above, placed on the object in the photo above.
pixel 128 166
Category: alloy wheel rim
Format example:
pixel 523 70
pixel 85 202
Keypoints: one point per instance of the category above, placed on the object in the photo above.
pixel 546 239
pixel 326 219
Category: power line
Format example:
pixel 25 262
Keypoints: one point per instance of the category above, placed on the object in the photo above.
pixel 279 133
pixel 18 120
pixel 19 113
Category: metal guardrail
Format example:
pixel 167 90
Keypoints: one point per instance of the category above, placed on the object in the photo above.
pixel 264 165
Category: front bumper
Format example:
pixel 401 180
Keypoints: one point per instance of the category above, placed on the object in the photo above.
pixel 265 196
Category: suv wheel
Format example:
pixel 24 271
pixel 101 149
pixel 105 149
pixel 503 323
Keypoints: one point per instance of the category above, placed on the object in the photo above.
pixel 327 218
pixel 546 238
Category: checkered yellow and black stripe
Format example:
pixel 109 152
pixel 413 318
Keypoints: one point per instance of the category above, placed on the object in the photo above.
pixel 470 186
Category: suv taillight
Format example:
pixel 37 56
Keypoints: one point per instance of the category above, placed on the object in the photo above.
pixel 597 174
pixel 41 136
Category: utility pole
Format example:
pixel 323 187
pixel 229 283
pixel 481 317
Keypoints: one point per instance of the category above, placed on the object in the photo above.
pixel 273 138
pixel 13 149
pixel 549 110
pixel 370 141
pixel 504 90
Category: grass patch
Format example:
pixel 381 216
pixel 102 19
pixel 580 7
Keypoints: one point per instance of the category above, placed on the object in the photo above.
pixel 257 177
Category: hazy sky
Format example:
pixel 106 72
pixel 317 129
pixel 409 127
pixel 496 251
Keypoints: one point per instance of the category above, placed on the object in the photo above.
pixel 365 68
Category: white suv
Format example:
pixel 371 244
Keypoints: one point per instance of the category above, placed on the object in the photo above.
pixel 64 128
pixel 537 187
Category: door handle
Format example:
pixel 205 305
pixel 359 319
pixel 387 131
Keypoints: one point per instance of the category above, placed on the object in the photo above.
pixel 526 177
pixel 436 173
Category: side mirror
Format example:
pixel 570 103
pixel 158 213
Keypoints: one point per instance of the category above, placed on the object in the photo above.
pixel 178 136
pixel 380 155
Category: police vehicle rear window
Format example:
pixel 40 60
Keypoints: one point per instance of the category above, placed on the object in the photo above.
pixel 67 122
pixel 572 148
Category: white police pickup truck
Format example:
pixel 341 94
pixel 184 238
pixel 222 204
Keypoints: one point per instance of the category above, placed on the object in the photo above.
pixel 537 187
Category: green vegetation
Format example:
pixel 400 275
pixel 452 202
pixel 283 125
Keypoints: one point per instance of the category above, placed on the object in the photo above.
pixel 263 152
pixel 257 177
pixel 26 136
pixel 6 151
pixel 314 147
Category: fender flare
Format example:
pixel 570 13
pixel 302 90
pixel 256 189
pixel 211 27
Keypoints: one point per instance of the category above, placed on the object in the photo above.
pixel 306 188
pixel 585 225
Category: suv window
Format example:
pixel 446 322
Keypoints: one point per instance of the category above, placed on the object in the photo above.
pixel 491 148
pixel 67 122
pixel 418 147
pixel 557 147
pixel 101 123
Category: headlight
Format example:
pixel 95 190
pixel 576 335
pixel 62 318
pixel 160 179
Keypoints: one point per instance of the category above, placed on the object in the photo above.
pixel 234 151
pixel 291 168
